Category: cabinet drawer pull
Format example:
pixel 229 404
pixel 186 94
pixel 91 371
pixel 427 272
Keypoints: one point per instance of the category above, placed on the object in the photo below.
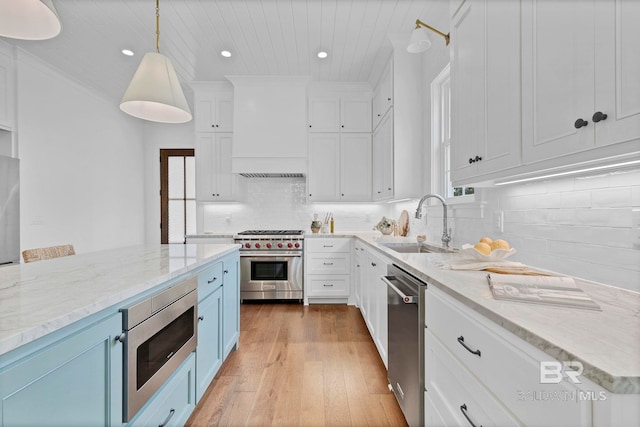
pixel 597 116
pixel 166 420
pixel 463 409
pixel 327 263
pixel 373 264
pixel 461 341
pixel 580 123
pixel 327 246
pixel 212 280
pixel 328 285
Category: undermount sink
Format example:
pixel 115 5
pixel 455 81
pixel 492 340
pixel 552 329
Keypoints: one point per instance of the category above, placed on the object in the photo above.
pixel 415 248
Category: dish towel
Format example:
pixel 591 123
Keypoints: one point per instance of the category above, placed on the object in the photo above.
pixel 467 264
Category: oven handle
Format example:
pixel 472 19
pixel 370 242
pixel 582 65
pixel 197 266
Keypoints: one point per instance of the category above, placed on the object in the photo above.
pixel 271 255
pixel 407 299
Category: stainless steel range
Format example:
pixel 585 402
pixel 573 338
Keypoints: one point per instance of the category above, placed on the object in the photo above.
pixel 271 264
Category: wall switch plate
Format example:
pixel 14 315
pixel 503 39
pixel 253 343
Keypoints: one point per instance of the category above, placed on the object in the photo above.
pixel 498 221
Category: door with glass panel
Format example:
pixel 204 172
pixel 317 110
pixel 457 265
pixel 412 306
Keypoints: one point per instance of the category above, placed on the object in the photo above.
pixel 177 194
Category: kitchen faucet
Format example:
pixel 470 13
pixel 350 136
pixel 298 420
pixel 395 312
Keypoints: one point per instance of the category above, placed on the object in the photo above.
pixel 446 232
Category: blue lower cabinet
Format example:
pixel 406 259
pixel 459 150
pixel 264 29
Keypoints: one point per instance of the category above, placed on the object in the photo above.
pixel 231 304
pixel 76 381
pixel 175 401
pixel 209 350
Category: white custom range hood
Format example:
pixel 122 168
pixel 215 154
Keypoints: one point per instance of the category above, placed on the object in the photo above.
pixel 269 126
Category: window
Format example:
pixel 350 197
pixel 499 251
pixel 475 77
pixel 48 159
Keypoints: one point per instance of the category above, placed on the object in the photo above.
pixel 177 195
pixel 441 137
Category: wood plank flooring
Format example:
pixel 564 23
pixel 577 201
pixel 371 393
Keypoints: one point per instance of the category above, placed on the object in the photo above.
pixel 300 366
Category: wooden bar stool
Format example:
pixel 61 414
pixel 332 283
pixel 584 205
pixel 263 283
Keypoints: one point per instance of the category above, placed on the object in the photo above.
pixel 30 255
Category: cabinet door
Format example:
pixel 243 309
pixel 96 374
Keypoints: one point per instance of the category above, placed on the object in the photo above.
pixel 214 180
pixel 213 112
pixel 324 167
pixel 355 167
pixel 224 178
pixel 75 382
pixel 383 98
pixel 617 69
pixel 224 112
pixel 485 85
pixel 324 115
pixel 6 89
pixel 355 115
pixel 357 276
pixel 231 305
pixel 558 48
pixel 382 154
pixel 380 301
pixel 209 351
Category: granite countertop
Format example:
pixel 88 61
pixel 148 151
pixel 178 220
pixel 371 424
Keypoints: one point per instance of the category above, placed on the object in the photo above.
pixel 607 342
pixel 41 297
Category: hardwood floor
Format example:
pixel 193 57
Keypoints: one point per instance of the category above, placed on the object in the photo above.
pixel 300 366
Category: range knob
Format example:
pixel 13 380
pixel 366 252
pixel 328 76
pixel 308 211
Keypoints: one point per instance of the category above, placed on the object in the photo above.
pixel 247 245
pixel 269 245
pixel 289 245
pixel 279 245
pixel 257 245
pixel 297 245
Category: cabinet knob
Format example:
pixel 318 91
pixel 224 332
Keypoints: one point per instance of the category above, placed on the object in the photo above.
pixel 309 195
pixel 388 99
pixel 213 126
pixel 378 115
pixel 597 116
pixel 309 125
pixel 120 337
pixel 580 123
pixel 217 125
pixel 389 188
pixel 373 264
pixel 478 158
pixel 342 194
pixel 342 126
pixel 226 272
pixel 471 160
pixel 201 318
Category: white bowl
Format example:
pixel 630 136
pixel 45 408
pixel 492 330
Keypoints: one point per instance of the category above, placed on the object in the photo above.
pixel 468 251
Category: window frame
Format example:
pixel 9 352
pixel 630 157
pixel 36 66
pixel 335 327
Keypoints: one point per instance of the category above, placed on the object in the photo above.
pixel 165 153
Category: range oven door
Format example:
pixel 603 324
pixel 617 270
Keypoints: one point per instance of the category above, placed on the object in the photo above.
pixel 271 276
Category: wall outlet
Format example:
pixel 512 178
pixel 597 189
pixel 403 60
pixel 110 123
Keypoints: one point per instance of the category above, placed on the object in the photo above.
pixel 498 221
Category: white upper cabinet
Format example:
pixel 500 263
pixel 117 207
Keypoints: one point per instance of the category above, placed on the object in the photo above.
pixel 580 65
pixel 339 167
pixel 383 97
pixel 485 85
pixel 213 108
pixel 382 159
pixel 339 115
pixel 214 180
pixel 6 88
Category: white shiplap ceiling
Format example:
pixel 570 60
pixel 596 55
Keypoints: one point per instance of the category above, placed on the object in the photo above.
pixel 266 37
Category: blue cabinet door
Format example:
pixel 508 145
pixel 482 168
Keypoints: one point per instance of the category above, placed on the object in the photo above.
pixel 76 381
pixel 231 304
pixel 209 350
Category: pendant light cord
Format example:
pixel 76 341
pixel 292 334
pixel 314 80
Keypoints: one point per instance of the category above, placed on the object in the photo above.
pixel 157 26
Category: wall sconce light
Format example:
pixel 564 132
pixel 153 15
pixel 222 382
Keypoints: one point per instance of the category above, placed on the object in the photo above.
pixel 29 19
pixel 154 93
pixel 420 40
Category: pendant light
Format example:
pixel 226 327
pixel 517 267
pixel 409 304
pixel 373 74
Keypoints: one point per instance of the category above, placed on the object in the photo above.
pixel 29 19
pixel 154 93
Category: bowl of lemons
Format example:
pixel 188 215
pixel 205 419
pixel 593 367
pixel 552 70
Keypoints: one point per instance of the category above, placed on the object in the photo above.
pixel 487 249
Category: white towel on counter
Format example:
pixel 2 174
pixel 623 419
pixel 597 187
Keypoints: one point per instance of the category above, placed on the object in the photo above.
pixel 467 264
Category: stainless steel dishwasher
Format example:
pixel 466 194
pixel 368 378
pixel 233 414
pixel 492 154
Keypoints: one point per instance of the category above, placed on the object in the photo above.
pixel 405 308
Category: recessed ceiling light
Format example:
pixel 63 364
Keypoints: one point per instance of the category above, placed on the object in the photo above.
pixel 322 54
pixel 127 52
pixel 226 54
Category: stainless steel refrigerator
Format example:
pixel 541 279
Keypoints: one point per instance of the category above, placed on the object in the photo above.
pixel 9 211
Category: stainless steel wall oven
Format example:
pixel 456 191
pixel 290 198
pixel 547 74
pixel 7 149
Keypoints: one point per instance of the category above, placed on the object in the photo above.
pixel 160 333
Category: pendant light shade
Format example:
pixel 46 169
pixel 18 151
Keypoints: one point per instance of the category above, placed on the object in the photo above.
pixel 154 92
pixel 29 19
pixel 419 41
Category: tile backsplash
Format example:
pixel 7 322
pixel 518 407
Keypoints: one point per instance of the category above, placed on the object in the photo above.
pixel 281 203
pixel 587 227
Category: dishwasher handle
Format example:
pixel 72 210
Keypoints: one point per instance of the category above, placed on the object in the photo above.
pixel 407 299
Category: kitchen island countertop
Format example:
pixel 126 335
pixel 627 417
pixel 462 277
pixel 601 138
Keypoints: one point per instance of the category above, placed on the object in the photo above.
pixel 39 298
